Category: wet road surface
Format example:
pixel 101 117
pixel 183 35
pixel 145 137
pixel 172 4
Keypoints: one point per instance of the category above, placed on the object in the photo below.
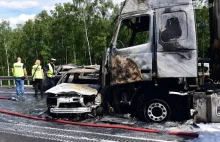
pixel 14 128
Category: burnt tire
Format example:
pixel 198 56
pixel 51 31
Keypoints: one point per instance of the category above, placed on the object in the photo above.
pixel 155 110
pixel 99 111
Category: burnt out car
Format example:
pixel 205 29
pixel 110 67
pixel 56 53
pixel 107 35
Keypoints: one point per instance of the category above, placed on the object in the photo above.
pixel 59 70
pixel 76 93
pixel 64 68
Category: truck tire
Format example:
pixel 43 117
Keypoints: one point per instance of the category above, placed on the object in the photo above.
pixel 155 110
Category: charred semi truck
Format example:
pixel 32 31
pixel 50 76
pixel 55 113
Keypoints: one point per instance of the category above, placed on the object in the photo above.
pixel 150 68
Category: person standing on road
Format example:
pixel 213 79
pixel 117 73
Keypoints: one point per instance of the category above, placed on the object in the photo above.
pixel 19 72
pixel 38 76
pixel 50 73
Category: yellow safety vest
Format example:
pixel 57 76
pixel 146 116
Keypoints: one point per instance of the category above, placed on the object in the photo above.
pixel 50 72
pixel 18 69
pixel 38 74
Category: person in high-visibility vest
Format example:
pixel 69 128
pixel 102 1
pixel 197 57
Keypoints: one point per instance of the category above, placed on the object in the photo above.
pixel 50 73
pixel 19 72
pixel 38 76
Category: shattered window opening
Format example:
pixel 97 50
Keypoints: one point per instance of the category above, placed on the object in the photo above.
pixel 134 31
pixel 80 79
pixel 70 79
pixel 65 78
pixel 173 26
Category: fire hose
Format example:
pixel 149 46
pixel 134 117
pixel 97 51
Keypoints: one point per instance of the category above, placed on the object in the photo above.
pixel 189 134
pixel 5 98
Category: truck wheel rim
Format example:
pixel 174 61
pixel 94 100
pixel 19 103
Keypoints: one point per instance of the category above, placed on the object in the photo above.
pixel 157 112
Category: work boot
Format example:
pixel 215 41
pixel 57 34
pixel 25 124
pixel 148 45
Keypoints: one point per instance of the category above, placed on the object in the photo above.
pixel 17 97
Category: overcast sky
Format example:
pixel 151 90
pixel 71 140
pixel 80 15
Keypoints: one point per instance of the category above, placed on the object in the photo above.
pixel 19 11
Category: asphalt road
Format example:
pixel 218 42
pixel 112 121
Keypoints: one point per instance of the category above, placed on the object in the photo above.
pixel 14 128
pixel 6 137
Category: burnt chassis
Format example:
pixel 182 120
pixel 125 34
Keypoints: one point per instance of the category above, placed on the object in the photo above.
pixel 72 96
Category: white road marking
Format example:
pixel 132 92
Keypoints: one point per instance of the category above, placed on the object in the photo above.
pixel 47 136
pixel 29 136
pixel 85 132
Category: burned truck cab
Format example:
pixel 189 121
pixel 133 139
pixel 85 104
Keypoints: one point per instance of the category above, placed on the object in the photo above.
pixel 153 52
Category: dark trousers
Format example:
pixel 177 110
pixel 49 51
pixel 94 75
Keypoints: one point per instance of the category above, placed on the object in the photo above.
pixel 51 82
pixel 38 85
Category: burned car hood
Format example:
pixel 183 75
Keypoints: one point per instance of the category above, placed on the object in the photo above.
pixel 70 88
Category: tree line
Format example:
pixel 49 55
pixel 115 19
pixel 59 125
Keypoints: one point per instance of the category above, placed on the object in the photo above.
pixel 76 32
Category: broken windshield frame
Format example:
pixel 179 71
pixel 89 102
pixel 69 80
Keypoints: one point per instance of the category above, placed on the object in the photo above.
pixel 83 78
pixel 119 27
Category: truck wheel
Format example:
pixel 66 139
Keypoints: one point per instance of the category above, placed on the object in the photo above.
pixel 156 111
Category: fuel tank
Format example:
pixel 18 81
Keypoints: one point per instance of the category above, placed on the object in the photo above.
pixel 207 106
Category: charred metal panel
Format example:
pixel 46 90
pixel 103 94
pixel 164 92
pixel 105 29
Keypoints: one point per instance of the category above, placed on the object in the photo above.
pixel 135 5
pixel 68 88
pixel 178 25
pixel 200 101
pixel 172 26
pixel 143 5
pixel 176 64
pixel 207 108
pixel 132 64
pixel 176 48
pixel 215 102
pixel 83 70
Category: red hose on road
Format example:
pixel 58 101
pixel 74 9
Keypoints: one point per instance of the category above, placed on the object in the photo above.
pixel 109 126
pixel 184 134
pixel 80 124
pixel 22 115
pixel 5 98
pixel 190 134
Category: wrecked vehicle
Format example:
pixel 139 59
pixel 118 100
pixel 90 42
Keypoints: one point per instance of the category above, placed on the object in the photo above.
pixel 64 68
pixel 76 93
pixel 152 60
pixel 60 70
pixel 150 69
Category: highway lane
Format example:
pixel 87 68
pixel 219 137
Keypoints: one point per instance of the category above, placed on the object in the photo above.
pixel 12 128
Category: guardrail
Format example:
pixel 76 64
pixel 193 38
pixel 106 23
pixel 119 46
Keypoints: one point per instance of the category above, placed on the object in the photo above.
pixel 9 80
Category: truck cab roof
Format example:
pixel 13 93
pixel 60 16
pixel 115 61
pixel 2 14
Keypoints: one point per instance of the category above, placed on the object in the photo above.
pixel 131 6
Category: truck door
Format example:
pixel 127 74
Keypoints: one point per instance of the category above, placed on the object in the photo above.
pixel 131 57
pixel 176 42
